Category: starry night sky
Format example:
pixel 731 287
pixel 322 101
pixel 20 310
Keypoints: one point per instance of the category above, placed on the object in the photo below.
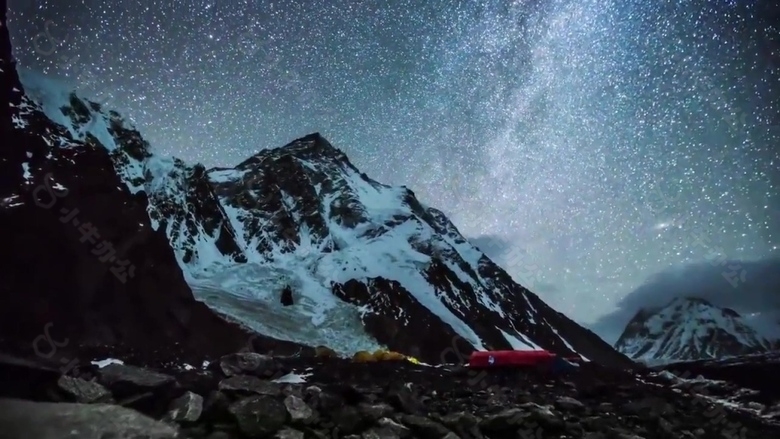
pixel 585 144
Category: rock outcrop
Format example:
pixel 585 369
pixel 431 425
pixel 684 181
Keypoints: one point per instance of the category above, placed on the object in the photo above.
pixel 82 265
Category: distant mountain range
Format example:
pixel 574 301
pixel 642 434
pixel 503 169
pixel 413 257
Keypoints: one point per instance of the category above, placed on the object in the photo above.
pixel 687 329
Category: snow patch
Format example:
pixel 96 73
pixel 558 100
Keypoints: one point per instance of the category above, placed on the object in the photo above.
pixel 103 363
pixel 11 202
pixel 26 172
pixel 519 344
pixel 293 378
pixel 226 175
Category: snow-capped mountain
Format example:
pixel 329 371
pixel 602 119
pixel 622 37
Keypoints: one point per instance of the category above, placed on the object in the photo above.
pixel 368 264
pixel 689 329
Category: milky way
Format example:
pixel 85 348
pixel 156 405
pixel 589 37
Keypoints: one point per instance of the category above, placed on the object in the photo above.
pixel 586 144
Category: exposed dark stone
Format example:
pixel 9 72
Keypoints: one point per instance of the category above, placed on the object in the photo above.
pixel 141 389
pixel 760 373
pixel 349 419
pixel 248 363
pixel 289 433
pixel 135 378
pixel 392 429
pixel 42 420
pixel 83 391
pixel 465 425
pixel 569 403
pixel 287 296
pixel 27 379
pixel 259 416
pixel 401 397
pixel 247 385
pixel 375 412
pixel 186 408
pixel 300 412
pixel 216 408
pixel 422 340
pixel 424 427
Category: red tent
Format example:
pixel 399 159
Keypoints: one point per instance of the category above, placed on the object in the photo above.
pixel 480 359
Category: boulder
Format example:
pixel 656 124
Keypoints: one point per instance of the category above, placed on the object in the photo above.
pixel 299 411
pixel 186 408
pixel 116 376
pixel 505 421
pixel 569 403
pixel 381 433
pixel 289 433
pixel 375 412
pixel 423 427
pixel 250 363
pixel 397 429
pixel 144 390
pixel 247 385
pixel 464 424
pixel 216 407
pixel 44 420
pixel 80 390
pixel 259 416
pixel 402 398
pixel 349 420
pixel 27 378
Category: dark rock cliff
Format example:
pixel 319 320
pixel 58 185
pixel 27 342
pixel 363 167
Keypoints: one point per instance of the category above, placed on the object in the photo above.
pixel 62 210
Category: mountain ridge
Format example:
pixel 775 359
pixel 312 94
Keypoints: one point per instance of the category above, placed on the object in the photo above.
pixel 689 329
pixel 352 214
pixel 368 264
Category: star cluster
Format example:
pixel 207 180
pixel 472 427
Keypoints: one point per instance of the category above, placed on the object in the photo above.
pixel 585 144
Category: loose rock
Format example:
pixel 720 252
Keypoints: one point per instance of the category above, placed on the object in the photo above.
pixel 186 408
pixel 248 363
pixel 246 385
pixel 79 390
pixel 45 420
pixel 259 416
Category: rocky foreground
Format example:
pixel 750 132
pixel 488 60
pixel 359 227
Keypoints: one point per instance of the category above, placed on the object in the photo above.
pixel 248 395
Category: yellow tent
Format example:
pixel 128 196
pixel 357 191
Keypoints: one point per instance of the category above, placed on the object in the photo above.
pixel 380 355
pixel 363 357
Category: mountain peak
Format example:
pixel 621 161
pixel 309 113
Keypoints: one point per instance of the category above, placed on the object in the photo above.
pixel 313 137
pixel 688 328
pixel 309 147
pixel 312 145
pixel 365 265
pixel 690 300
pixel 700 305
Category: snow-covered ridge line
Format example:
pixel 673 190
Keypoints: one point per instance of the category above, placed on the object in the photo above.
pixel 303 216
